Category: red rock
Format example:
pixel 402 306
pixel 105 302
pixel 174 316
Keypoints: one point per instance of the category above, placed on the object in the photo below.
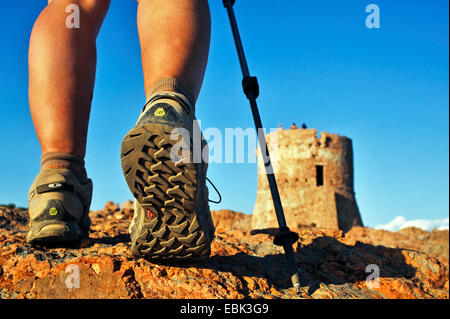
pixel 241 265
pixel 111 207
pixel 127 205
pixel 227 220
pixel 434 243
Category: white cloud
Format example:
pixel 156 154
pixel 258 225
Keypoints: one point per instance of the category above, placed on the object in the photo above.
pixel 400 222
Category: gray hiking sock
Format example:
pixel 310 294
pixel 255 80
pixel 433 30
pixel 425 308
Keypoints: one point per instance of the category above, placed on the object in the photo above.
pixel 67 161
pixel 171 85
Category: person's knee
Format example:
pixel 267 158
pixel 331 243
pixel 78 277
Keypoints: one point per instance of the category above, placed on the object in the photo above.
pixel 93 7
pixel 95 10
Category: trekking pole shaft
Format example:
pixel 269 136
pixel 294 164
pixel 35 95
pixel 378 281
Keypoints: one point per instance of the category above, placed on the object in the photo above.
pixel 237 39
pixel 285 237
pixel 268 164
pixel 257 119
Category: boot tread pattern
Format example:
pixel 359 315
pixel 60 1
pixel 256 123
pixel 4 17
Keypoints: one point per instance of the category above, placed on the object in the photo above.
pixel 167 192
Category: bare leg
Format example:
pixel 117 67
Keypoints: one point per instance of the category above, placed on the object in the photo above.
pixel 62 64
pixel 174 36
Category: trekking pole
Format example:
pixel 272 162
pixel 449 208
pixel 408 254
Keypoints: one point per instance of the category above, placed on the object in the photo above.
pixel 285 236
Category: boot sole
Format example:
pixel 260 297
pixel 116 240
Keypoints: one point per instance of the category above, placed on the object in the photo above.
pixel 51 237
pixel 167 192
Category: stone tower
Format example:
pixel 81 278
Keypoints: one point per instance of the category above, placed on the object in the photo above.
pixel 315 179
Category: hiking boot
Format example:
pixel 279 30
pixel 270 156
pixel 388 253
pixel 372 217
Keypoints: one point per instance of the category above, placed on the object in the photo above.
pixel 172 219
pixel 58 207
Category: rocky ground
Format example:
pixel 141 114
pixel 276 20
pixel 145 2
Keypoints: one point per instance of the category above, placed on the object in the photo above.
pixel 412 263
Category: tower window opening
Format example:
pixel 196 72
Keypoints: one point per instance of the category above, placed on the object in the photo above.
pixel 319 175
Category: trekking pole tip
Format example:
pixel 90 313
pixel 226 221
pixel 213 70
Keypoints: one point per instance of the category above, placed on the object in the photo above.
pixel 296 281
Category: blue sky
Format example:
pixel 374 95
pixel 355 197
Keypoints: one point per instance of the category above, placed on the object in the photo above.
pixel 316 62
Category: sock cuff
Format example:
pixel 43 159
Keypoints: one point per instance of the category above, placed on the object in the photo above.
pixel 69 158
pixel 68 161
pixel 170 85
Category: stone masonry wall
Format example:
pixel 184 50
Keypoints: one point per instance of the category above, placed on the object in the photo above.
pixel 315 179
